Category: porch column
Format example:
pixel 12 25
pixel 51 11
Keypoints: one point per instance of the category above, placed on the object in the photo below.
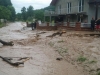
pixel 50 19
pixel 96 12
pixel 44 18
pixel 80 18
pixel 76 17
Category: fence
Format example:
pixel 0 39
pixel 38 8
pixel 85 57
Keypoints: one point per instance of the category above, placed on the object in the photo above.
pixel 86 25
pixel 72 24
pixel 42 24
pixel 65 25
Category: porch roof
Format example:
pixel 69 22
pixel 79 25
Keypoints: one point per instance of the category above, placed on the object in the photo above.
pixel 94 1
pixel 53 2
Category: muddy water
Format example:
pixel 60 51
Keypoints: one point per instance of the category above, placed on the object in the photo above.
pixel 43 60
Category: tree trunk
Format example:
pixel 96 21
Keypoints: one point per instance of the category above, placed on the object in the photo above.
pixel 6 43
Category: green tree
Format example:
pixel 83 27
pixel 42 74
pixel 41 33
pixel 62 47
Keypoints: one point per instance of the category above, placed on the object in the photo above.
pixel 8 11
pixel 24 14
pixel 5 3
pixel 39 14
pixel 30 11
pixel 13 13
pixel 19 16
pixel 5 13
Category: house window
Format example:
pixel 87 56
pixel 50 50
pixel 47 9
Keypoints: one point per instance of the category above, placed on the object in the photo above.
pixel 59 9
pixel 69 7
pixel 81 5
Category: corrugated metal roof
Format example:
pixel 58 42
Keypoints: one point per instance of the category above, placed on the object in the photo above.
pixel 53 2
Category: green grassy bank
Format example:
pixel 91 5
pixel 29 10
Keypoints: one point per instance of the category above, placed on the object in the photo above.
pixel 2 25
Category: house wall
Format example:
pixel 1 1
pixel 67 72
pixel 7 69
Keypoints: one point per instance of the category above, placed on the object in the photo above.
pixel 63 5
pixel 91 12
pixel 89 9
pixel 74 5
pixel 86 5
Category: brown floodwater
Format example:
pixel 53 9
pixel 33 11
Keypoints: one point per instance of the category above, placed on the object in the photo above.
pixel 43 60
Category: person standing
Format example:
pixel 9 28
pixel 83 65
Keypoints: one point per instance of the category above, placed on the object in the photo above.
pixel 35 23
pixel 92 24
pixel 32 25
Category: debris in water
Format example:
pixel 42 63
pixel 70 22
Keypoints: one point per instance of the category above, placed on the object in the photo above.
pixel 7 43
pixel 54 34
pixel 59 59
pixel 13 62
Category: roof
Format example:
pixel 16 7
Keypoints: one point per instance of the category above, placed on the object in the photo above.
pixel 53 2
pixel 94 1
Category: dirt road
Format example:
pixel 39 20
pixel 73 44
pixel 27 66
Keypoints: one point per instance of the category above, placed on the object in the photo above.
pixel 42 49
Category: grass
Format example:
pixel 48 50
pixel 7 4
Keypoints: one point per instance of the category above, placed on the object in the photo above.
pixel 62 50
pixel 81 59
pixel 92 62
pixel 98 73
pixel 60 41
pixel 1 25
pixel 51 44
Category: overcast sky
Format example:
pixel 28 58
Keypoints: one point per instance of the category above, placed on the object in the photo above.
pixel 37 4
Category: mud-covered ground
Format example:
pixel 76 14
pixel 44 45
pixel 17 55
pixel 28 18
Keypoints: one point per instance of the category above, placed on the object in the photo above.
pixel 80 53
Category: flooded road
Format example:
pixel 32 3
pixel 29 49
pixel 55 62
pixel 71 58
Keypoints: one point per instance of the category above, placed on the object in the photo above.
pixel 43 60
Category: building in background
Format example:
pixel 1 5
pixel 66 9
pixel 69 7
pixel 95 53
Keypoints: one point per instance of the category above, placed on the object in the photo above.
pixel 75 10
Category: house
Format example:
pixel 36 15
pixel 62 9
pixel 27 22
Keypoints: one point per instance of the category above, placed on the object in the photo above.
pixel 76 10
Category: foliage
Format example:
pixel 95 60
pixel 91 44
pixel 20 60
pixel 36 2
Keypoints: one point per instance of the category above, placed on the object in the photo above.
pixel 4 13
pixel 60 41
pixel 7 11
pixel 24 14
pixel 81 59
pixel 92 62
pixel 98 73
pixel 5 3
pixel 1 25
pixel 51 44
pixel 13 15
pixel 62 50
pixel 30 19
pixel 39 14
pixel 18 16
pixel 30 13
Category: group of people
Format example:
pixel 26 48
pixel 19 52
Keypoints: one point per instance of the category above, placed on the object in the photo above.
pixel 95 25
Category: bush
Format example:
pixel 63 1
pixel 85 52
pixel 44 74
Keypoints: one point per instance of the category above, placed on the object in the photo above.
pixel 1 25
pixel 81 59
